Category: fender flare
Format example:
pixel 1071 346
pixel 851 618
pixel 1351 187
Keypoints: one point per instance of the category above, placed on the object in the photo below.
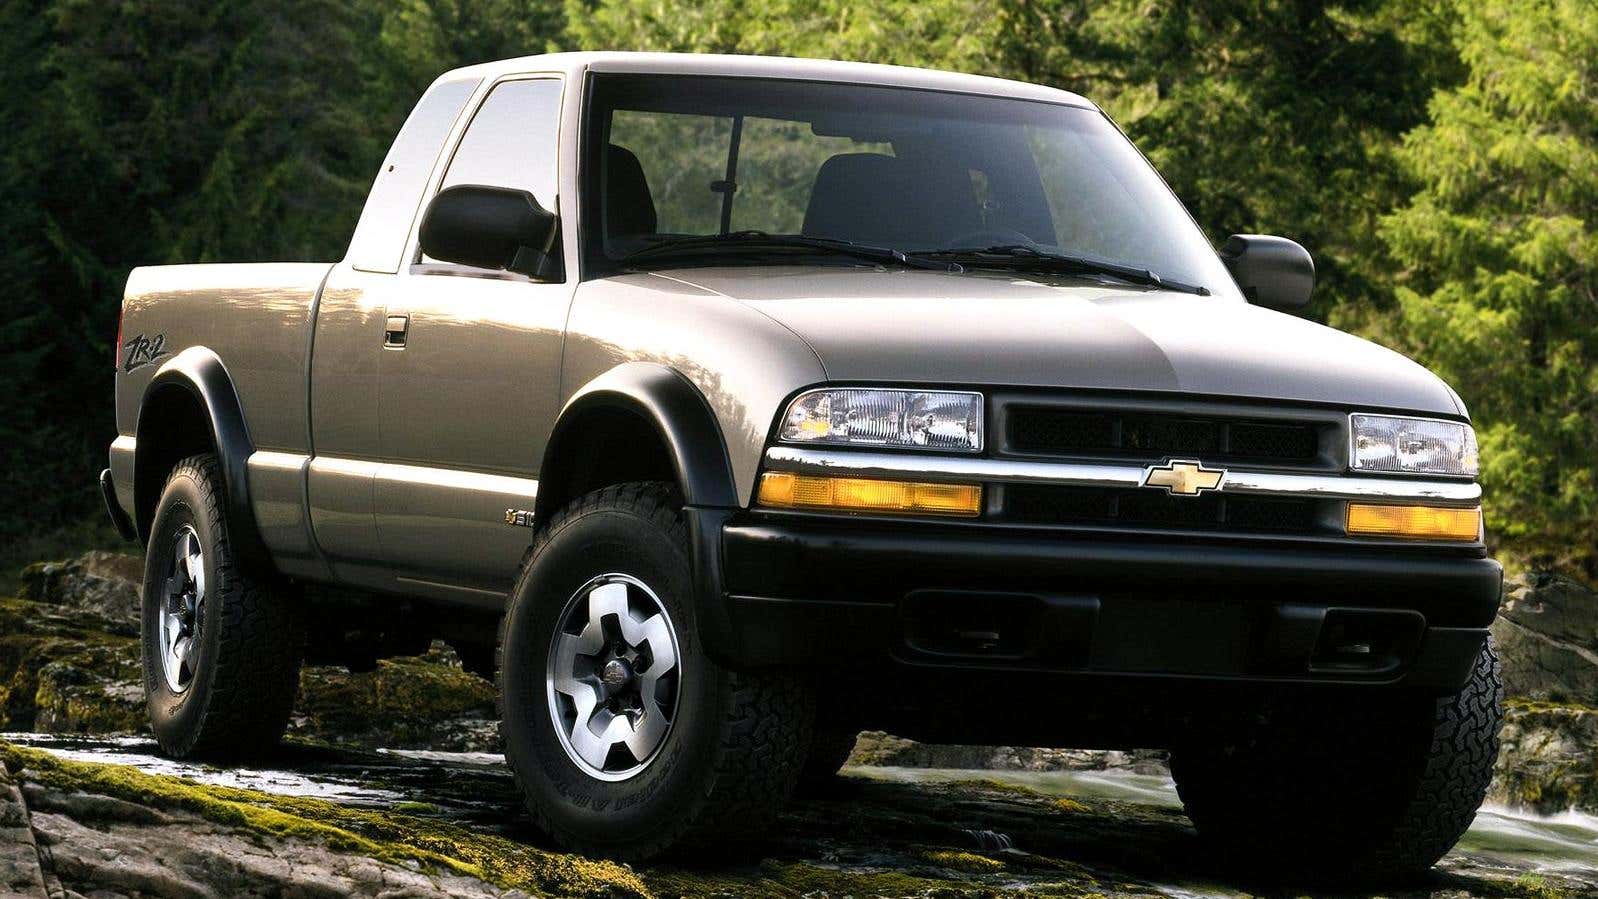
pixel 678 412
pixel 688 427
pixel 200 372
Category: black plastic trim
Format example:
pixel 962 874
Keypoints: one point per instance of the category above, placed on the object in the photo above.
pixel 200 372
pixel 113 508
pixel 678 412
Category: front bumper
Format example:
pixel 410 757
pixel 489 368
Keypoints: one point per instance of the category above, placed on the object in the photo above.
pixel 837 592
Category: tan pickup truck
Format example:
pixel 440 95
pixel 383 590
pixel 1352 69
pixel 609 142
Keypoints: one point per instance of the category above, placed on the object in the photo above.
pixel 744 404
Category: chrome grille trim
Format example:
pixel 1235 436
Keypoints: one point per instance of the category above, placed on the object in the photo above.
pixel 900 466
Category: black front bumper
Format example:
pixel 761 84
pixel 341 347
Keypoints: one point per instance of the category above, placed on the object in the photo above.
pixel 947 600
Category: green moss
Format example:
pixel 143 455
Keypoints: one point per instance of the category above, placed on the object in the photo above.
pixel 58 673
pixel 388 835
pixel 1535 886
pixel 994 785
pixel 1520 703
pixel 399 704
pixel 960 860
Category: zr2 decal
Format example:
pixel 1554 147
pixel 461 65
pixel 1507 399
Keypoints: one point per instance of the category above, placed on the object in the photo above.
pixel 143 350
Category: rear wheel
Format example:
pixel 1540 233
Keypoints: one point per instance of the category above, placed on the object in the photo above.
pixel 624 736
pixel 221 649
pixel 1418 772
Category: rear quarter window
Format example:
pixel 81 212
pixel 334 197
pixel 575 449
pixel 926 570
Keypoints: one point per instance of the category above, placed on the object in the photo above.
pixel 379 241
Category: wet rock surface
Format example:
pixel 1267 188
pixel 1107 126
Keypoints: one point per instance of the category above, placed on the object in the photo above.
pixel 321 821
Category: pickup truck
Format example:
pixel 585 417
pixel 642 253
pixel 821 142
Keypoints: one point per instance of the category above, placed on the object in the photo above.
pixel 725 407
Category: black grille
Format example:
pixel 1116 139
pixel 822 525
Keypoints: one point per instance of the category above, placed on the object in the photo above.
pixel 1143 508
pixel 1148 435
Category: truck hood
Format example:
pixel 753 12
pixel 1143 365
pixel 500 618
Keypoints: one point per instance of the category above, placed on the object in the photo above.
pixel 1000 328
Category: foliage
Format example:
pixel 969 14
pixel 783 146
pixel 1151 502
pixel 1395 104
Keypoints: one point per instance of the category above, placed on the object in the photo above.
pixel 1498 290
pixel 1435 155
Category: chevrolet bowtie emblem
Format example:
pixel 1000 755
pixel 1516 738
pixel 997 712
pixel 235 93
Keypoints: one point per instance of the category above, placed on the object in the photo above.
pixel 1183 478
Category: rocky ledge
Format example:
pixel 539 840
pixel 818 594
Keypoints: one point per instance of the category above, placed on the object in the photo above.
pixel 397 825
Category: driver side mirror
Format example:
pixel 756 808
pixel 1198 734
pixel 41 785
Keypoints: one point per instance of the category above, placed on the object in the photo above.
pixel 491 227
pixel 1273 272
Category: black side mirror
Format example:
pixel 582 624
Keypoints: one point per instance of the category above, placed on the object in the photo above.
pixel 1274 272
pixel 491 227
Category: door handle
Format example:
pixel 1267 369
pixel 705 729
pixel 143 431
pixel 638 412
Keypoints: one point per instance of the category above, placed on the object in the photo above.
pixel 395 330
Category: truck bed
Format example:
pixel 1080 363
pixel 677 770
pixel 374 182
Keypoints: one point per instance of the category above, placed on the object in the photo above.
pixel 255 317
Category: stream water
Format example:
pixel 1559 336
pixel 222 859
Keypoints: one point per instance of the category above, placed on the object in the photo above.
pixel 476 787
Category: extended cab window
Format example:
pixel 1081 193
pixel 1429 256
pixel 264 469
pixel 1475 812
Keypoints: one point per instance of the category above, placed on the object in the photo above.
pixel 379 241
pixel 700 170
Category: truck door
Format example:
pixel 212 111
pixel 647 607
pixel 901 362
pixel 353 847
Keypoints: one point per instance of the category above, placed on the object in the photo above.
pixel 347 347
pixel 469 375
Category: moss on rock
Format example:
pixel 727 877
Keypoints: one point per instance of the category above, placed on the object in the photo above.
pixel 386 836
pixel 62 673
pixel 1548 761
pixel 408 702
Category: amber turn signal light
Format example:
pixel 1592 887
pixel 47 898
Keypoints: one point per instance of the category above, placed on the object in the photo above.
pixel 1432 522
pixel 785 490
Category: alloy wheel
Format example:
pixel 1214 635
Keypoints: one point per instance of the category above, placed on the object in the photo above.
pixel 613 677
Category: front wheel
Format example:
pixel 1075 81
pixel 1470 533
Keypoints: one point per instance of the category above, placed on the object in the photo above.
pixel 1360 791
pixel 624 736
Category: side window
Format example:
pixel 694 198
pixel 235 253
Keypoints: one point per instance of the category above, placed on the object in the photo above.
pixel 513 141
pixel 378 244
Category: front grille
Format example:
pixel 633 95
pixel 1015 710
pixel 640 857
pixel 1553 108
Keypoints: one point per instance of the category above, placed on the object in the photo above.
pixel 1038 430
pixel 1151 509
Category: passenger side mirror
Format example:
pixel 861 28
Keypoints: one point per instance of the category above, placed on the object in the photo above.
pixel 1273 272
pixel 491 227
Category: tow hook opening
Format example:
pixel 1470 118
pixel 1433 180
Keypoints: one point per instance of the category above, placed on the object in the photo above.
pixel 1000 627
pixel 1369 641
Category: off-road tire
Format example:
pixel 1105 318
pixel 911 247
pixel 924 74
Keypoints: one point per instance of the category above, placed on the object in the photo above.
pixel 829 750
pixel 738 740
pixel 1364 792
pixel 248 644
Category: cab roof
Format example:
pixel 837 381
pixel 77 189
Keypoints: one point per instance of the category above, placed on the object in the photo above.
pixel 575 64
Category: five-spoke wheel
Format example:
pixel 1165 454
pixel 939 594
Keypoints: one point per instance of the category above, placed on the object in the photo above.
pixel 182 607
pixel 613 676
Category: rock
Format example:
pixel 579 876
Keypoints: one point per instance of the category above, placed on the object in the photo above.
pixel 104 584
pixel 876 748
pixel 1547 636
pixel 874 836
pixel 20 873
pixel 1548 762
pixel 60 670
pixel 422 702
pixel 110 830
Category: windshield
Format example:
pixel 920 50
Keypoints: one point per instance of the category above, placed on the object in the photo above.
pixel 681 160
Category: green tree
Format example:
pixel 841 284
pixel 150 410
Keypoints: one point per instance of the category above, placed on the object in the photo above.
pixel 948 33
pixel 1499 245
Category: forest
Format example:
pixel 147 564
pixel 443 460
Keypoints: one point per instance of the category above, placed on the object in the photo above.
pixel 1438 157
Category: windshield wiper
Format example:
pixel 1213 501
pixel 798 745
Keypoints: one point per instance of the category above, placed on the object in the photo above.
pixel 1021 256
pixel 761 240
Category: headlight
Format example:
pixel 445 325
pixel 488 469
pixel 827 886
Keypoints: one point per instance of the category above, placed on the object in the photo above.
pixel 1412 445
pixel 900 419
